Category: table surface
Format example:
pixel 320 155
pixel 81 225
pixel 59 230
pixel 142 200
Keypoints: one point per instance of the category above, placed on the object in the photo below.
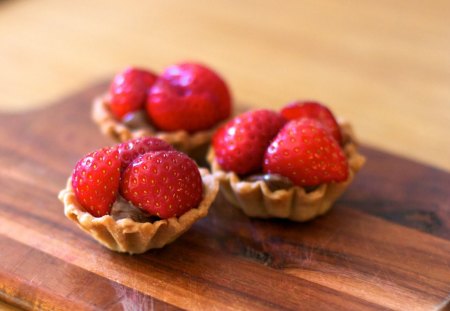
pixel 385 65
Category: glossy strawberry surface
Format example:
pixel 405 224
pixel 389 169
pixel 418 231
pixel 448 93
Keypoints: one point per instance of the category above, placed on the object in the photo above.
pixel 128 91
pixel 313 110
pixel 163 183
pixel 240 144
pixel 306 153
pixel 130 149
pixel 95 180
pixel 188 96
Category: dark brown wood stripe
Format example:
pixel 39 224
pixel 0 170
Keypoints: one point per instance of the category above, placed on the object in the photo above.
pixel 239 275
pixel 58 285
pixel 158 259
pixel 318 251
pixel 402 191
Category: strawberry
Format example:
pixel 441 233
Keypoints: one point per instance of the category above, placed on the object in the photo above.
pixel 188 97
pixel 129 150
pixel 95 181
pixel 163 183
pixel 307 154
pixel 128 91
pixel 313 110
pixel 239 145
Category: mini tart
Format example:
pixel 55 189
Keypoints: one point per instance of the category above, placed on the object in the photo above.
pixel 128 236
pixel 255 199
pixel 181 140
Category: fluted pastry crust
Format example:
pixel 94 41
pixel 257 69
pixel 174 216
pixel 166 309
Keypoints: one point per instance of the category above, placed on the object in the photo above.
pixel 255 199
pixel 110 126
pixel 126 235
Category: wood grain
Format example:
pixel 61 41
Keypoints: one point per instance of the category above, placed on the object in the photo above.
pixel 348 259
pixel 382 64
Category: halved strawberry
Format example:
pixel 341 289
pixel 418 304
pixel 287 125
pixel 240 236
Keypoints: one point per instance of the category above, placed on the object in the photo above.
pixel 128 91
pixel 307 154
pixel 240 144
pixel 163 183
pixel 95 180
pixel 188 96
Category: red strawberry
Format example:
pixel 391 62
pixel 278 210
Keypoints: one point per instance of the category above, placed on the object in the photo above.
pixel 163 183
pixel 95 180
pixel 307 154
pixel 313 110
pixel 129 89
pixel 239 145
pixel 188 97
pixel 129 150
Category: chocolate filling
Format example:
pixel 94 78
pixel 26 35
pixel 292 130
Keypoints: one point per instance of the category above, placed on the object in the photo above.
pixel 123 209
pixel 273 181
pixel 277 182
pixel 136 120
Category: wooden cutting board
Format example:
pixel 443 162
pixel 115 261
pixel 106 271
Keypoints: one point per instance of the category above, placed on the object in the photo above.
pixel 385 244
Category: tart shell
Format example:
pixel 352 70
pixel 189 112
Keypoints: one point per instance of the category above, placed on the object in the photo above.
pixel 181 140
pixel 126 235
pixel 255 199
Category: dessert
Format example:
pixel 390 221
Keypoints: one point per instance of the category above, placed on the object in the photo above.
pixel 299 167
pixel 182 106
pixel 139 195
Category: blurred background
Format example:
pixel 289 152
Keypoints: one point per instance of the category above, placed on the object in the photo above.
pixel 385 65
